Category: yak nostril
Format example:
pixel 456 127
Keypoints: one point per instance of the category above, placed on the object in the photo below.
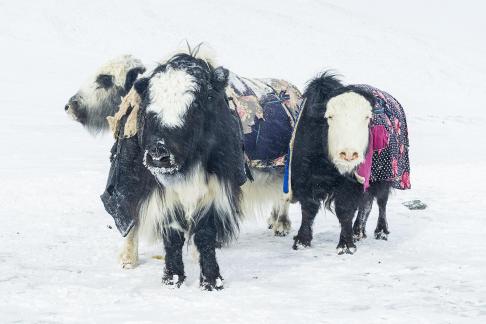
pixel 158 151
pixel 110 190
pixel 66 107
pixel 348 156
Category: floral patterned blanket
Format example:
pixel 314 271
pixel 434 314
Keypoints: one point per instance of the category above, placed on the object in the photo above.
pixel 267 109
pixel 389 144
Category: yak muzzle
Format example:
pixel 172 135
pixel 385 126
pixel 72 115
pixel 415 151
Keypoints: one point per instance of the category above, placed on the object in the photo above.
pixel 157 156
pixel 348 155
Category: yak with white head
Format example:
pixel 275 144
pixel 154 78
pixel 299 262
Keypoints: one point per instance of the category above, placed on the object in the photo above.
pixel 331 146
pixel 102 93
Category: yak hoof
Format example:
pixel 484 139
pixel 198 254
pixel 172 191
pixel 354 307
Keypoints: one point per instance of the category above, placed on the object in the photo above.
pixel 382 235
pixel 173 280
pixel 281 228
pixel 346 249
pixel 300 243
pixel 128 259
pixel 359 236
pixel 210 285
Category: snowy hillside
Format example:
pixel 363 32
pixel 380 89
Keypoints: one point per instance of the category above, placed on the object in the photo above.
pixel 58 256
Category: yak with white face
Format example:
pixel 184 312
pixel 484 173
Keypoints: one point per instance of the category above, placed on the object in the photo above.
pixel 348 116
pixel 350 146
pixel 102 93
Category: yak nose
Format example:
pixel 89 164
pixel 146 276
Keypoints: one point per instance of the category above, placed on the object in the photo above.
pixel 73 104
pixel 158 150
pixel 348 155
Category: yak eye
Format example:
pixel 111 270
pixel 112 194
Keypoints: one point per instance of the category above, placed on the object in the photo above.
pixel 105 81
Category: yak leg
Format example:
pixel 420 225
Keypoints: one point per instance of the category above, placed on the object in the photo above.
pixel 174 266
pixel 205 240
pixel 364 210
pixel 381 231
pixel 129 254
pixel 309 211
pixel 279 220
pixel 346 203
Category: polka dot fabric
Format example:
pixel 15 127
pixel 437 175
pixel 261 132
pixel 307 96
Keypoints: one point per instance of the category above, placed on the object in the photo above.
pixel 392 162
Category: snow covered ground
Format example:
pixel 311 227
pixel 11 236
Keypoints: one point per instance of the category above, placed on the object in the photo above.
pixel 58 256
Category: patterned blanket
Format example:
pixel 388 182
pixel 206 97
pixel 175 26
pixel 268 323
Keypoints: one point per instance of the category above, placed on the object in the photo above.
pixel 389 144
pixel 267 109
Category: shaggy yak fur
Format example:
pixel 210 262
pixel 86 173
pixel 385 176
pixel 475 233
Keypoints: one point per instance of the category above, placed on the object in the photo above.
pixel 315 178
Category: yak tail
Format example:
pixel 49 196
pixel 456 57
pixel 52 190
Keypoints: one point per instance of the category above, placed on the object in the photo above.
pixel 319 88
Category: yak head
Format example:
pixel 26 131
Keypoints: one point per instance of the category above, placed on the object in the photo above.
pixel 101 94
pixel 180 99
pixel 348 117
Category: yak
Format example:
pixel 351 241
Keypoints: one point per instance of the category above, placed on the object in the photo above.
pixel 349 147
pixel 190 144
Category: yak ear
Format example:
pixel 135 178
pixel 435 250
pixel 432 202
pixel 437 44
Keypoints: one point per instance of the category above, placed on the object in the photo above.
pixel 220 78
pixel 132 75
pixel 141 85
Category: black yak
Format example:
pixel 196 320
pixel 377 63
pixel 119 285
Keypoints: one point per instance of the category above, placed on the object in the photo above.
pixel 350 145
pixel 191 144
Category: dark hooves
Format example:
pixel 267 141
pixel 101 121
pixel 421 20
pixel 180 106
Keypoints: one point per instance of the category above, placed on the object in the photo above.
pixel 173 280
pixel 300 243
pixel 359 236
pixel 280 233
pixel 210 285
pixel 346 249
pixel 382 235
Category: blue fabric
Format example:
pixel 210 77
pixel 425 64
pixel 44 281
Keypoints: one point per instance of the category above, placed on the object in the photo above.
pixel 286 173
pixel 270 137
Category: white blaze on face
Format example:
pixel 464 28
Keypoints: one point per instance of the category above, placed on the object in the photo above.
pixel 171 93
pixel 348 116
